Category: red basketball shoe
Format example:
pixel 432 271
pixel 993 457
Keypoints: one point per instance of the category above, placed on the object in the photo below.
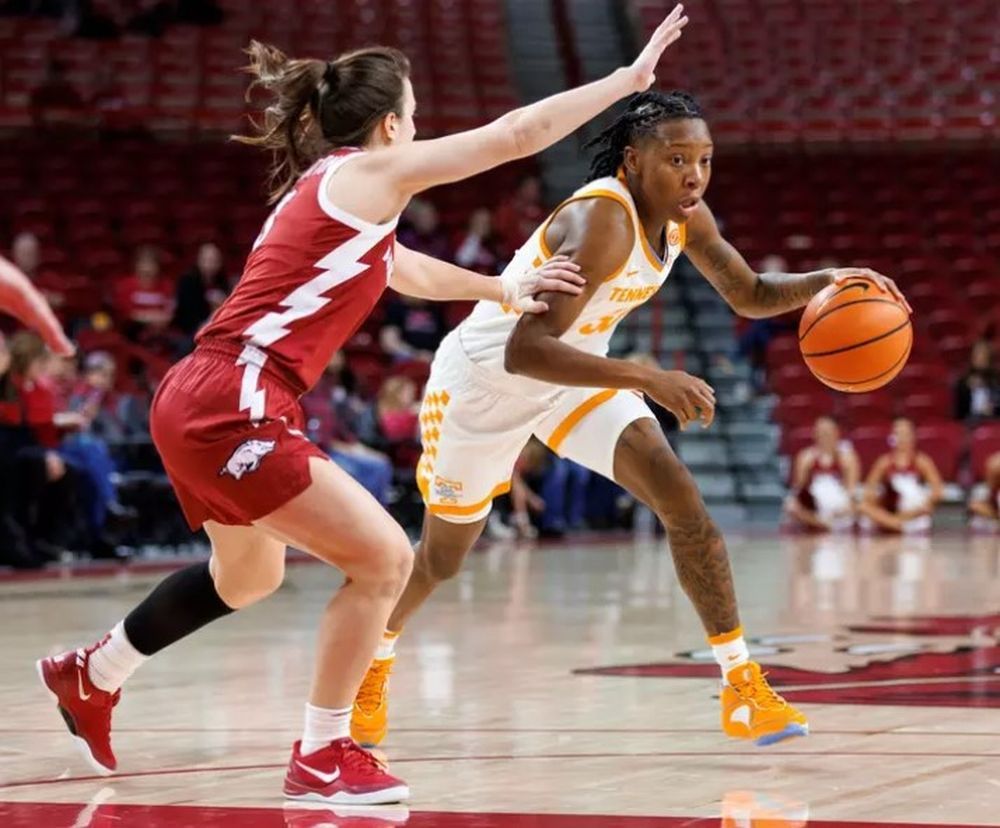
pixel 86 709
pixel 342 773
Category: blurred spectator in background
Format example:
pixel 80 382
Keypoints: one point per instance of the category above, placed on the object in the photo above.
pixel 396 410
pixel 331 412
pixel 110 415
pixel 563 491
pixel 519 215
pixel 422 231
pixel 903 487
pixel 413 328
pixel 977 393
pixel 985 510
pixel 200 291
pixel 824 480
pixel 41 492
pixel 56 101
pixel 477 247
pixel 144 301
pixel 26 253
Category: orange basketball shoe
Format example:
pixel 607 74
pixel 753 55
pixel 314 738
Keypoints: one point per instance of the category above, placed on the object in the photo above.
pixel 752 710
pixel 370 719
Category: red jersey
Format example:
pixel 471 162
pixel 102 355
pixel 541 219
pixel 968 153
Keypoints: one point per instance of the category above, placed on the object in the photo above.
pixel 313 277
pixel 133 298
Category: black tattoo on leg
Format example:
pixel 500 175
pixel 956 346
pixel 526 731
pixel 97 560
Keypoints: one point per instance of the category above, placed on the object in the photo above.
pixel 702 564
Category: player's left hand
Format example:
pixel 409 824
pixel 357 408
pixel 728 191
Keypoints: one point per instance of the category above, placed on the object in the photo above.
pixel 883 283
pixel 558 274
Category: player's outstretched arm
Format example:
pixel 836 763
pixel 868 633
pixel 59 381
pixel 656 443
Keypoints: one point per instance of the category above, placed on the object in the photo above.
pixel 21 299
pixel 416 274
pixel 597 235
pixel 758 295
pixel 525 131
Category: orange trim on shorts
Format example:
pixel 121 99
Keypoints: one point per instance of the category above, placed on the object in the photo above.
pixel 572 419
pixel 447 509
pixel 725 638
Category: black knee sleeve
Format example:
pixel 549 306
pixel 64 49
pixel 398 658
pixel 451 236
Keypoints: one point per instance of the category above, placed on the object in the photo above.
pixel 180 604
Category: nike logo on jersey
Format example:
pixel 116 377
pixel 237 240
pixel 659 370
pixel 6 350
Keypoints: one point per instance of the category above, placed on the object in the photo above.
pixel 325 778
pixel 741 715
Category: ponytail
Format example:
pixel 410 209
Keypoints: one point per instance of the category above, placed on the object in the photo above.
pixel 317 106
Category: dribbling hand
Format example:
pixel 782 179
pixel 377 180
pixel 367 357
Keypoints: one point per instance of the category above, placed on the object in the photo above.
pixel 688 398
pixel 643 68
pixel 558 274
pixel 883 283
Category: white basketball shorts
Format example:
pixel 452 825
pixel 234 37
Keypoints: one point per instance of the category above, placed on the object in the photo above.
pixel 473 432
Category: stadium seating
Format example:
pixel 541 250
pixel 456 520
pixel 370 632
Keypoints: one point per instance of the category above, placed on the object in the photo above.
pixel 787 70
pixel 188 78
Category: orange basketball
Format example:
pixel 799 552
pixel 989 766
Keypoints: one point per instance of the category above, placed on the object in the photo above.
pixel 855 338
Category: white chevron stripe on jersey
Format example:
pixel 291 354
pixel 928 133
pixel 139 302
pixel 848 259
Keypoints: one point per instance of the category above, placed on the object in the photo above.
pixel 340 265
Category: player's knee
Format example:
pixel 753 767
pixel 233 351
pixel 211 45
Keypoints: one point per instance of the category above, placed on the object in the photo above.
pixel 387 569
pixel 441 560
pixel 239 588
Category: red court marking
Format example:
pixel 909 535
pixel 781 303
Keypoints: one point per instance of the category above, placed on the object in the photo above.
pixel 35 814
pixel 751 753
pixel 516 730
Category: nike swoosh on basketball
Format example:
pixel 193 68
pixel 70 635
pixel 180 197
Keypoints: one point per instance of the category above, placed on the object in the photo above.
pixel 330 778
pixel 79 682
pixel 741 715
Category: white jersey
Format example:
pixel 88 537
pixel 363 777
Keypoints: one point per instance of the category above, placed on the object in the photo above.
pixel 483 335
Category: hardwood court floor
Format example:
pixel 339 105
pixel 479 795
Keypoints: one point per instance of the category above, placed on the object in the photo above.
pixel 552 686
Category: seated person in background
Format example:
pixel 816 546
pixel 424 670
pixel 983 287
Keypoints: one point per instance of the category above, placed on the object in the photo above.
pixel 519 214
pixel 330 411
pixel 824 479
pixel 985 510
pixel 977 393
pixel 903 487
pixel 200 291
pixel 413 328
pixel 477 246
pixel 144 301
pixel 421 230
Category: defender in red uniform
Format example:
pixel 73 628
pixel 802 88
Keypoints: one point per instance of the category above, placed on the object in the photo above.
pixel 226 420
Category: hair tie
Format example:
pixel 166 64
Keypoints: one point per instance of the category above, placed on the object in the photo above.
pixel 331 76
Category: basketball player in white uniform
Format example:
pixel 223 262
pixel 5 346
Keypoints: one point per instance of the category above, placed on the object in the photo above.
pixel 499 378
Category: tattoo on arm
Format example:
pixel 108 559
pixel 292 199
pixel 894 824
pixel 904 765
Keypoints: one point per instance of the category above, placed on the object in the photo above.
pixel 719 257
pixel 780 292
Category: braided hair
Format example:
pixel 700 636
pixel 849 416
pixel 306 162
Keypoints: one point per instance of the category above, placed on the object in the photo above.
pixel 641 116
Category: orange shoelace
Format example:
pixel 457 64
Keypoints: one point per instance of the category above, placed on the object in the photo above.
pixel 372 692
pixel 757 689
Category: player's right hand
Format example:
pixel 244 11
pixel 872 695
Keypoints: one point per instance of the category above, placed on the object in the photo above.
pixel 643 68
pixel 686 397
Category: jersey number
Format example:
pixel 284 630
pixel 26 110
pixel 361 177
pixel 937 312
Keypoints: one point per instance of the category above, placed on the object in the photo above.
pixel 604 324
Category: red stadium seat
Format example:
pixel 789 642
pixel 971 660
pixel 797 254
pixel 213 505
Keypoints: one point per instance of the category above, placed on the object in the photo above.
pixel 985 442
pixel 943 443
pixel 870 442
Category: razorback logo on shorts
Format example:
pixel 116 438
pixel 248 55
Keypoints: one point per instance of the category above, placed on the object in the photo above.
pixel 932 661
pixel 246 458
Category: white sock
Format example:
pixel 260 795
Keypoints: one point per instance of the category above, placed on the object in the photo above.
pixel 114 661
pixel 324 725
pixel 730 650
pixel 387 647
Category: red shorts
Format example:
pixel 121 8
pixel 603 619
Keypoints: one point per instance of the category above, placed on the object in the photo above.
pixel 223 465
